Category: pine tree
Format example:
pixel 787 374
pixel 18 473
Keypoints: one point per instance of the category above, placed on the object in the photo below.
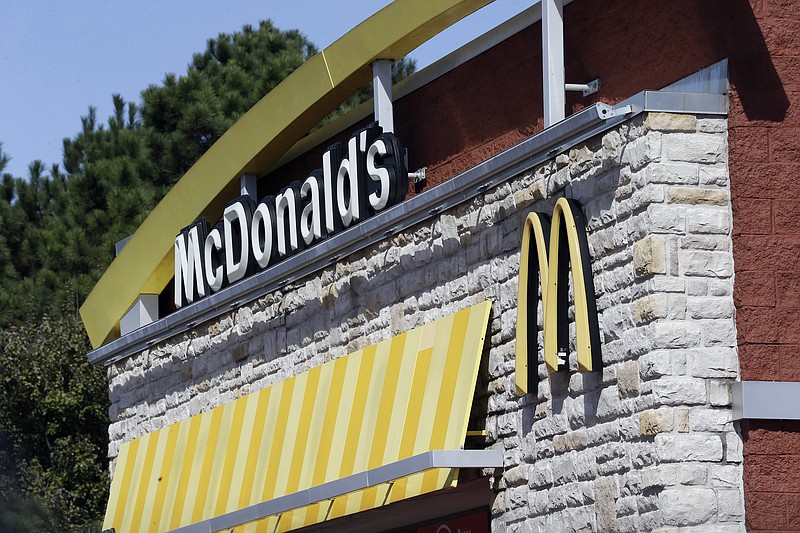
pixel 58 228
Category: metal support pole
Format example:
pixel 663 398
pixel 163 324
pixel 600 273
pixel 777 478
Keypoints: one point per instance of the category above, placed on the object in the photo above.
pixel 553 61
pixel 248 185
pixel 382 93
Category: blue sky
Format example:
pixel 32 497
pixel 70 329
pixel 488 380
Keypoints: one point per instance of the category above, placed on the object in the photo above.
pixel 59 57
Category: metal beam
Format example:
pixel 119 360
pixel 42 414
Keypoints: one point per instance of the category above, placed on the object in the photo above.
pixel 248 184
pixel 362 480
pixel 382 93
pixel 553 61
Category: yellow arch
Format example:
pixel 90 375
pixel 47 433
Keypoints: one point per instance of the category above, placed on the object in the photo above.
pixel 585 313
pixel 540 227
pixel 257 140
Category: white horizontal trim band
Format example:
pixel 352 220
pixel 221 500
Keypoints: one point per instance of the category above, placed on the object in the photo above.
pixel 766 400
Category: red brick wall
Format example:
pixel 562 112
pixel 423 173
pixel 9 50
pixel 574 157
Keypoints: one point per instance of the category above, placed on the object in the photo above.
pixel 761 39
pixel 764 164
pixel 771 480
pixel 494 101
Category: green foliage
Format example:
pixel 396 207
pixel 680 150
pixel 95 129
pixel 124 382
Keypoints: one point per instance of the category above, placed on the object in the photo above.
pixel 58 228
pixel 53 407
pixel 186 115
pixel 24 514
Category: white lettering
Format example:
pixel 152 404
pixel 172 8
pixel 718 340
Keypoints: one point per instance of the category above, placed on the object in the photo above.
pixel 214 275
pixel 347 185
pixel 329 159
pixel 188 266
pixel 235 220
pixel 346 190
pixel 263 221
pixel 380 198
pixel 286 211
pixel 310 219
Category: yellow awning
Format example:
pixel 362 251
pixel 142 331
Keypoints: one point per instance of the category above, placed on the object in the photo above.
pixel 399 398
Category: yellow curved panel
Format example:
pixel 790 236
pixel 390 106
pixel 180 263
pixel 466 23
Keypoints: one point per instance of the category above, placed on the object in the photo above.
pixel 257 140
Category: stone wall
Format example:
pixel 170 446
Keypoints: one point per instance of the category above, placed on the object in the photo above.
pixel 646 443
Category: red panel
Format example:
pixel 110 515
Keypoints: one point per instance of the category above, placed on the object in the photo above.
pixel 474 523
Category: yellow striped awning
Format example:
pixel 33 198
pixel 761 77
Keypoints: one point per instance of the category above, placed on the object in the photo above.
pixel 388 402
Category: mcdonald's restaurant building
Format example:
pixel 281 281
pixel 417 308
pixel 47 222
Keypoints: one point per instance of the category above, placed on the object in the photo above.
pixel 485 301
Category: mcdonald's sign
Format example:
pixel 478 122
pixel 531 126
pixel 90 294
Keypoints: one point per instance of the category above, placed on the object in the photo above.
pixel 558 246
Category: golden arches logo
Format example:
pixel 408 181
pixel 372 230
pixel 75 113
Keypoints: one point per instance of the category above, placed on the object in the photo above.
pixel 558 246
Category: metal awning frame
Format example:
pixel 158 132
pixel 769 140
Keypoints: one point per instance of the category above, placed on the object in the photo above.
pixel 363 480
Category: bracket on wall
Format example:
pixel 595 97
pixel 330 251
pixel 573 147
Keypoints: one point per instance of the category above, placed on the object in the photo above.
pixel 554 87
pixel 419 175
pixel 586 88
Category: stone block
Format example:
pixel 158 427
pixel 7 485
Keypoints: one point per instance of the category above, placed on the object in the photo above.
pixel 675 334
pixel 733 448
pixel 628 379
pixel 574 440
pixel 695 148
pixel 706 263
pixel 714 363
pixel 726 476
pixel 656 421
pixel 650 308
pixel 507 425
pixel 612 144
pixel 660 476
pixel 682 420
pixel 541 476
pixel 730 507
pixel 672 173
pixel 609 404
pixel 712 125
pixel 695 196
pixel 668 284
pixel 710 243
pixel 605 510
pixel 642 151
pixel 717 420
pixel 692 474
pixel 670 122
pixel 649 257
pixel 564 470
pixel 586 466
pixel 714 175
pixel 719 393
pixel 680 391
pixel 673 447
pixel 719 333
pixel 516 476
pixel 655 364
pixel 687 506
pixel 708 220
pixel 499 504
pixel 666 218
pixel 704 308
